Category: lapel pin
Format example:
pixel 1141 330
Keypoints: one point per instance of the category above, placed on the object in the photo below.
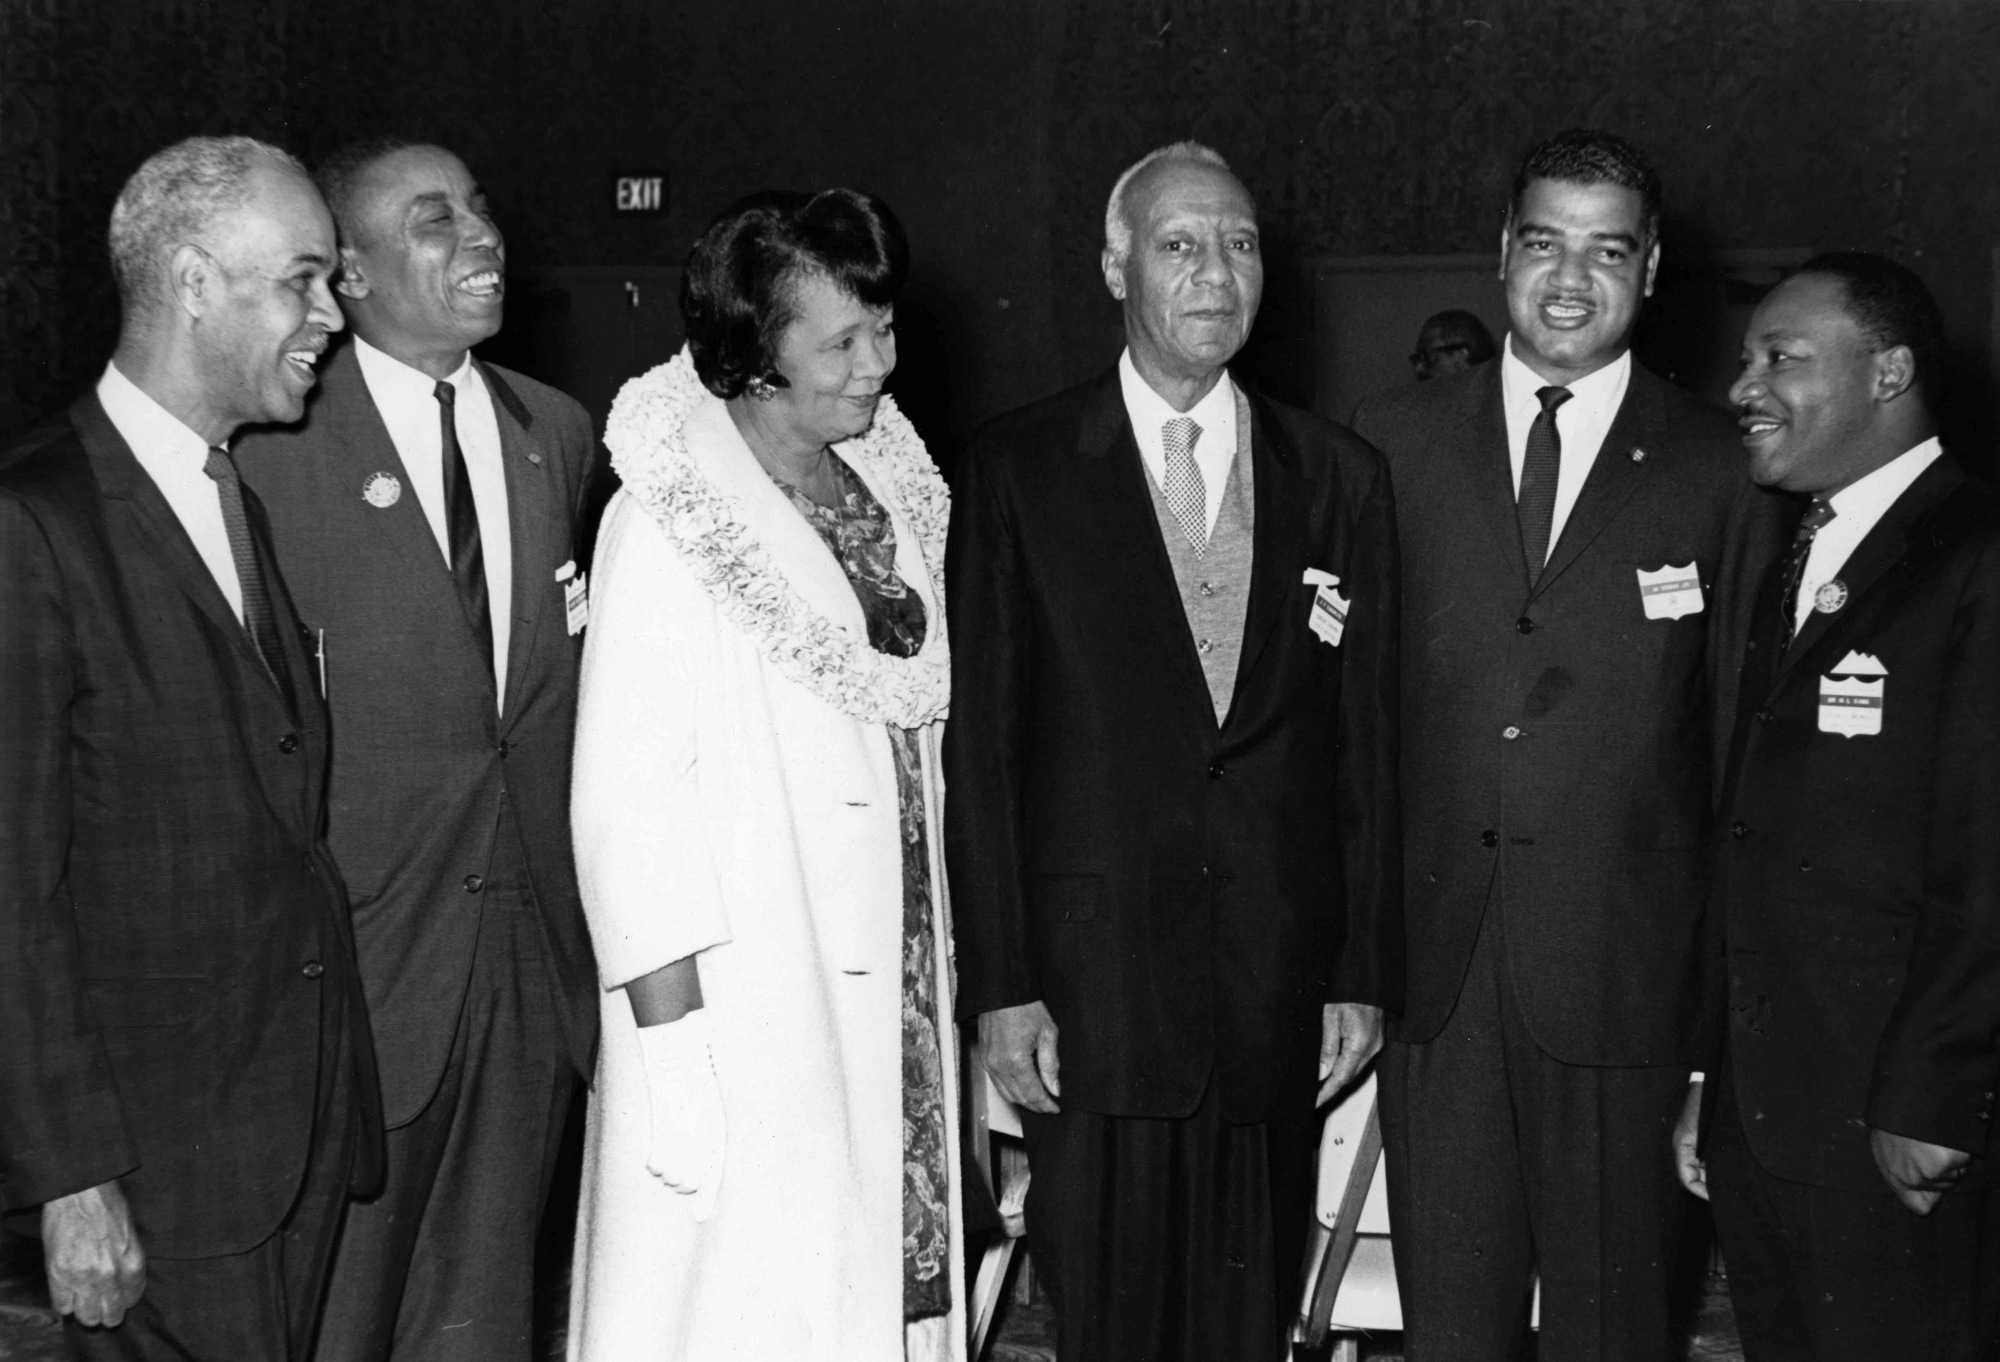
pixel 1830 596
pixel 1638 454
pixel 382 491
pixel 534 458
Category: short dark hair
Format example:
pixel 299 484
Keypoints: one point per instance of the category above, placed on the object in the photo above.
pixel 1592 156
pixel 1890 304
pixel 1464 326
pixel 737 292
pixel 339 177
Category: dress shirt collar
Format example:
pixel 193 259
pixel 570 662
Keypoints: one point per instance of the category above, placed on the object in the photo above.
pixel 151 430
pixel 1867 499
pixel 393 382
pixel 1214 450
pixel 1593 399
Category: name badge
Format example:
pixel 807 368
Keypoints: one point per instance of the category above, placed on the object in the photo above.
pixel 1668 592
pixel 1850 697
pixel 1328 616
pixel 576 596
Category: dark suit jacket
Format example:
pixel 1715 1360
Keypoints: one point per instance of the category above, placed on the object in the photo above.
pixel 1559 745
pixel 169 917
pixel 422 763
pixel 1184 898
pixel 1860 876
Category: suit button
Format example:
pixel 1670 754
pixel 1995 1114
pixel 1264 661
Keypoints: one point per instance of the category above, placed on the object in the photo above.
pixel 1525 625
pixel 1510 732
pixel 1739 830
pixel 502 749
pixel 1215 770
pixel 1489 838
pixel 1804 864
pixel 1204 646
pixel 1206 588
pixel 1764 716
pixel 313 969
pixel 474 883
pixel 289 744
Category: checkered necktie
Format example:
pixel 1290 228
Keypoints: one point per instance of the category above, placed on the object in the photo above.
pixel 1540 467
pixel 1184 493
pixel 1816 516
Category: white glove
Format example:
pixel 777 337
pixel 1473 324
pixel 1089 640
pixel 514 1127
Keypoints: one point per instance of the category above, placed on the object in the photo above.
pixel 686 1103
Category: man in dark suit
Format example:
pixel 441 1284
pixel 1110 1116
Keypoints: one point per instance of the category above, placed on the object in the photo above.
pixel 1567 540
pixel 186 1089
pixel 424 516
pixel 1857 868
pixel 1172 765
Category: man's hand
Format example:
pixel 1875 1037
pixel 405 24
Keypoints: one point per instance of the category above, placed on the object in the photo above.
pixel 1687 1135
pixel 97 1271
pixel 1349 1036
pixel 1018 1047
pixel 1917 1171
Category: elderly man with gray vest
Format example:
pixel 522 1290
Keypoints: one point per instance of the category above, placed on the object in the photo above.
pixel 1172 767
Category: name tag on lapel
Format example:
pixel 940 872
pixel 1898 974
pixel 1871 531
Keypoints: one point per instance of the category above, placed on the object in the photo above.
pixel 1669 592
pixel 1328 616
pixel 576 596
pixel 1850 697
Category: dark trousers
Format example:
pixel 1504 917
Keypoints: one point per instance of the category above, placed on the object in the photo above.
pixel 440 1266
pixel 1169 1240
pixel 1504 1164
pixel 1828 1274
pixel 263 1303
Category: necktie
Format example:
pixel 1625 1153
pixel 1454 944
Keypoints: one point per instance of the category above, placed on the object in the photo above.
pixel 1816 516
pixel 461 519
pixel 1183 487
pixel 1536 504
pixel 258 617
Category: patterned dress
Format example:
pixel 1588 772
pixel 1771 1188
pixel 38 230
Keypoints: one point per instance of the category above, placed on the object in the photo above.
pixel 862 540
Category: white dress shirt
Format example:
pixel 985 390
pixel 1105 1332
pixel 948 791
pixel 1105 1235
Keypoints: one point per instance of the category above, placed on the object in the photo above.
pixel 407 400
pixel 1581 423
pixel 173 457
pixel 1857 508
pixel 1214 449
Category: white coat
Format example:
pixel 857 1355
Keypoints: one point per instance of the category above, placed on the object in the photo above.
pixel 723 810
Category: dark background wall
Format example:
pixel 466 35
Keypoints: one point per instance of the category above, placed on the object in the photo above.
pixel 1365 127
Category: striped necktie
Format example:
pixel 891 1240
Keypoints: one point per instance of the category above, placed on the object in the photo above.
pixel 258 618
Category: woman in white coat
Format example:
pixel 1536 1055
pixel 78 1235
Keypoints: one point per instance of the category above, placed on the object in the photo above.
pixel 772 1152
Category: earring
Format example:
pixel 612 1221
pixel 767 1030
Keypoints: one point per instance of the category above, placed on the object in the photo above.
pixel 761 388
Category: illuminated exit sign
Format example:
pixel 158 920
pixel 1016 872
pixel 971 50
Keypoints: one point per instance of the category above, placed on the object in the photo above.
pixel 639 193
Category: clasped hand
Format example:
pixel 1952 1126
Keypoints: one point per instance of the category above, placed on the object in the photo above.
pixel 96 1268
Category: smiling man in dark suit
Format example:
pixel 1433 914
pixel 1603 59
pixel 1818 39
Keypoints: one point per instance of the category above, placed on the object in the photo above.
pixel 1569 530
pixel 425 517
pixel 186 1089
pixel 1172 765
pixel 1857 865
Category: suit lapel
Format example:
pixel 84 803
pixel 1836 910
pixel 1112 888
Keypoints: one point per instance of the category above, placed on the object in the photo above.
pixel 1277 531
pixel 1872 563
pixel 1127 546
pixel 131 492
pixel 535 510
pixel 1478 440
pixel 1618 471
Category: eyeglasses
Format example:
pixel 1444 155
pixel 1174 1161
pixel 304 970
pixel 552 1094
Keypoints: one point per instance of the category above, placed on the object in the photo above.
pixel 1419 358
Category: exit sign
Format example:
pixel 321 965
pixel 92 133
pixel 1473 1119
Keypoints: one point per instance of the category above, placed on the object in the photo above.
pixel 639 193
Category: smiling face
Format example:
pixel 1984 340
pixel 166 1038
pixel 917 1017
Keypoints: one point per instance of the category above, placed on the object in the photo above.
pixel 265 308
pixel 835 355
pixel 1576 266
pixel 1810 389
pixel 422 277
pixel 1193 276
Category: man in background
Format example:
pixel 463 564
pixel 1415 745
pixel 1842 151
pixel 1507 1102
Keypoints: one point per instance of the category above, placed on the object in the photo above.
pixel 1450 343
pixel 1850 1131
pixel 186 1089
pixel 425 517
pixel 1570 529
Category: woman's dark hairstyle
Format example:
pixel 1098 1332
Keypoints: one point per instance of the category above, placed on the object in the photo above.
pixel 737 292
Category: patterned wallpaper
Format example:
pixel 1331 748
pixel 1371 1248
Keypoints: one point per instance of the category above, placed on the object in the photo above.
pixel 1365 127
